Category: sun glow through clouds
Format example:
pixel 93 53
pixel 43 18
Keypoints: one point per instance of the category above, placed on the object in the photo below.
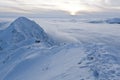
pixel 73 7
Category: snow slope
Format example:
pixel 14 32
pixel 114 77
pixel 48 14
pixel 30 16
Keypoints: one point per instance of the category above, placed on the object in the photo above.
pixel 87 52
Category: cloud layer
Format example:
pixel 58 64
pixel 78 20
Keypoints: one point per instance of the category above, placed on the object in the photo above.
pixel 70 6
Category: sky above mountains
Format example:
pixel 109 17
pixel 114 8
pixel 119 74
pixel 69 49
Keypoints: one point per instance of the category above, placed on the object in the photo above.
pixel 58 7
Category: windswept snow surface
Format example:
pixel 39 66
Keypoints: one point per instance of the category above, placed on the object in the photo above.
pixel 85 51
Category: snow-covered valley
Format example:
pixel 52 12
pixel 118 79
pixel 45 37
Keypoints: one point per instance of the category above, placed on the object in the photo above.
pixel 59 49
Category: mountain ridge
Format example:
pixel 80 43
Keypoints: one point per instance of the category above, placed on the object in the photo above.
pixel 23 29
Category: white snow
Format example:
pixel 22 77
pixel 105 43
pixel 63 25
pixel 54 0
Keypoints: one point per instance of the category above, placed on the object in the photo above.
pixel 85 51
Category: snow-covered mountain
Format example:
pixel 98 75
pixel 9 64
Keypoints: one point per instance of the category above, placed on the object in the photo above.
pixel 113 21
pixel 92 54
pixel 108 21
pixel 23 31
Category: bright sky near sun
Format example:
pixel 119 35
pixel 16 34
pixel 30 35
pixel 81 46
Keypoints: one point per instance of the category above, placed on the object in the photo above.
pixel 72 7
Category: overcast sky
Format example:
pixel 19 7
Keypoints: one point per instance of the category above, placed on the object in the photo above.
pixel 58 7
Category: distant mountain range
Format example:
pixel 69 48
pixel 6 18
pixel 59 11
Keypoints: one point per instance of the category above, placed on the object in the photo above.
pixel 109 21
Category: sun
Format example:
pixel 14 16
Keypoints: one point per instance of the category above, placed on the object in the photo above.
pixel 73 13
pixel 72 9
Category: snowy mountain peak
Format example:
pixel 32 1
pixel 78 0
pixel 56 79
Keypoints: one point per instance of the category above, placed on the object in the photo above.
pixel 24 32
pixel 23 23
pixel 22 18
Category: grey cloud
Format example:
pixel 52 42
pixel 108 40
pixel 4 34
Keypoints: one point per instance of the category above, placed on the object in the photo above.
pixel 107 6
